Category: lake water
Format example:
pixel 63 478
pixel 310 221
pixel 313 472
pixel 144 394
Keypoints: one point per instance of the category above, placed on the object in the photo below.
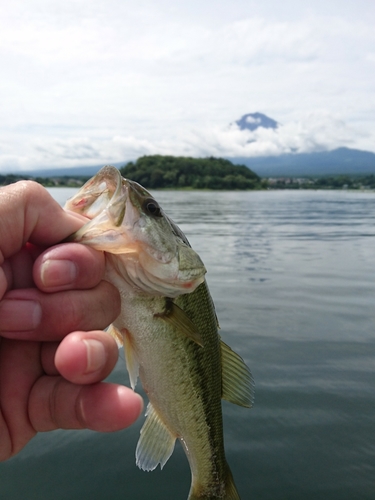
pixel 292 275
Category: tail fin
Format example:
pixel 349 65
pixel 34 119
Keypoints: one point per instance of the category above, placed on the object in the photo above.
pixel 231 492
pixel 199 492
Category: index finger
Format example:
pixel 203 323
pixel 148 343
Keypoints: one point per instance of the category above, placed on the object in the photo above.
pixel 29 213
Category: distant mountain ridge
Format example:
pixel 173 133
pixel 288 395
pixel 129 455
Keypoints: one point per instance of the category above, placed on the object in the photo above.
pixel 340 161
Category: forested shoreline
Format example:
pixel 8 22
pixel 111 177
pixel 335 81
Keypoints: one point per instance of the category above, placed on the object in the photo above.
pixel 172 172
pixel 160 172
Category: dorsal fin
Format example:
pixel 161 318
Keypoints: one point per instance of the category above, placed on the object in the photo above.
pixel 237 381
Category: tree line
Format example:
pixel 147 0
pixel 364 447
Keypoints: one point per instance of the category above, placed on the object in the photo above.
pixel 61 181
pixel 173 172
pixel 324 182
pixel 157 171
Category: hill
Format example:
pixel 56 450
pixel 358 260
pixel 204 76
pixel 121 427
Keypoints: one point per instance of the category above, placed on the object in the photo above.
pixel 196 173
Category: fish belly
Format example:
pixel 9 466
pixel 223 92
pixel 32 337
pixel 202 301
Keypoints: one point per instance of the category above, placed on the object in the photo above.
pixel 182 382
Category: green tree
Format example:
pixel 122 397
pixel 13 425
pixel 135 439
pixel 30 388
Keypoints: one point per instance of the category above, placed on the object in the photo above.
pixel 158 171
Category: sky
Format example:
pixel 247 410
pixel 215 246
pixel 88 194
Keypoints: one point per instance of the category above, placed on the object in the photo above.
pixel 92 82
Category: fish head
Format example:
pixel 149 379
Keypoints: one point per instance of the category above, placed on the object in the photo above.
pixel 152 253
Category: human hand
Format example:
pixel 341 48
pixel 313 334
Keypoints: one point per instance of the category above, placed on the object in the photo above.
pixel 52 301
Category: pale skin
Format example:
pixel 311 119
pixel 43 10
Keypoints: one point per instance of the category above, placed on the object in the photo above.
pixel 54 304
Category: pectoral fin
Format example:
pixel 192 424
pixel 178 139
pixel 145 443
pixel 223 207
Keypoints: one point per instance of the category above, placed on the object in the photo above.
pixel 116 334
pixel 123 338
pixel 155 444
pixel 237 381
pixel 177 318
pixel 132 363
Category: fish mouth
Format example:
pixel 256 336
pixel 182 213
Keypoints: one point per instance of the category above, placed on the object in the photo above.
pixel 113 205
pixel 104 199
pixel 151 254
pixel 93 197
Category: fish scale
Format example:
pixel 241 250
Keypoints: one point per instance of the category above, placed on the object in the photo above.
pixel 169 329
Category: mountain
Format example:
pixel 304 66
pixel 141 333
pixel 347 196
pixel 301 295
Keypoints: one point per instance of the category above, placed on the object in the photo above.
pixel 252 121
pixel 341 161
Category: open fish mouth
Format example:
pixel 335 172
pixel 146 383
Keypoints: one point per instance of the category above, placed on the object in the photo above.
pixel 103 200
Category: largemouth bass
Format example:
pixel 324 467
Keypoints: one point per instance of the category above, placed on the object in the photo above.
pixel 169 330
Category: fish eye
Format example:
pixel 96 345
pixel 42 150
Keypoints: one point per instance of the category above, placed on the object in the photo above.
pixel 152 208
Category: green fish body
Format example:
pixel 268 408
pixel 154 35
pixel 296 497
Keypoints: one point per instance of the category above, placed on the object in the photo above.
pixel 169 330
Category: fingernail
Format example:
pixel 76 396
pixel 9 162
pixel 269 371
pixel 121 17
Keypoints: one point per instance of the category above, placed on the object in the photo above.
pixel 96 357
pixel 19 315
pixel 58 272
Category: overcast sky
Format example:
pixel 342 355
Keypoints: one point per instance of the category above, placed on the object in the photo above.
pixel 90 82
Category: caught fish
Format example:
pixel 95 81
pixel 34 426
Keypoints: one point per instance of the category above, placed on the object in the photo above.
pixel 169 330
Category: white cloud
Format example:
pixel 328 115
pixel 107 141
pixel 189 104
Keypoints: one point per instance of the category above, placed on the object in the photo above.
pixel 84 80
pixel 315 132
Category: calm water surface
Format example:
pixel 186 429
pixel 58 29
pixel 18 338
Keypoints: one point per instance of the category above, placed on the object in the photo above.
pixel 292 275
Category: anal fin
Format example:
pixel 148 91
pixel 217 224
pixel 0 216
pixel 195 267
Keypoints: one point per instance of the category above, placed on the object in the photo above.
pixel 156 443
